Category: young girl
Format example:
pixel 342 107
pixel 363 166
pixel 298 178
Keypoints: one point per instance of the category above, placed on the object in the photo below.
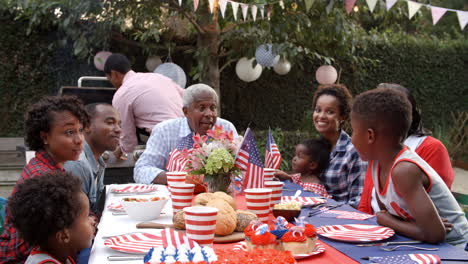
pixel 54 129
pixel 51 214
pixel 412 197
pixel 310 159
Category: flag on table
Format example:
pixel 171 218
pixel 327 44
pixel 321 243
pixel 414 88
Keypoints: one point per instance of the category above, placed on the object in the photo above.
pixel 272 155
pixel 248 159
pixel 408 259
pixel 177 161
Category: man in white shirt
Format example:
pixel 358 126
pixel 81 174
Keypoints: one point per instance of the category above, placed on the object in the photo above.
pixel 200 105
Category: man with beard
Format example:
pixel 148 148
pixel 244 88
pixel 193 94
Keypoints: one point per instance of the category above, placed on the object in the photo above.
pixel 103 134
pixel 200 106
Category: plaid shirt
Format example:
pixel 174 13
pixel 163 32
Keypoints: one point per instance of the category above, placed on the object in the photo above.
pixel 13 249
pixel 309 186
pixel 344 177
pixel 164 138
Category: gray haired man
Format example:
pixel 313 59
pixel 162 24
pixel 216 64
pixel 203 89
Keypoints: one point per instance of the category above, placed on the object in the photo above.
pixel 201 114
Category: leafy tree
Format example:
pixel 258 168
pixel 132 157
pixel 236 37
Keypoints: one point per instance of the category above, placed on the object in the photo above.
pixel 300 32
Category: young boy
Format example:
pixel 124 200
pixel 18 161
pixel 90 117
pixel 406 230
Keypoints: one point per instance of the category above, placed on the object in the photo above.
pixel 413 199
pixel 51 213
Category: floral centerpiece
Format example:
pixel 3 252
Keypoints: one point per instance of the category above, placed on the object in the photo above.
pixel 213 157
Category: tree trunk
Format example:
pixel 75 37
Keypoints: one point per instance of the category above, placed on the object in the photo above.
pixel 208 41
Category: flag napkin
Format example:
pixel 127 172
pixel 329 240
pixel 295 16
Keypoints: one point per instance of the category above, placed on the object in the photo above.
pixel 345 214
pixel 407 259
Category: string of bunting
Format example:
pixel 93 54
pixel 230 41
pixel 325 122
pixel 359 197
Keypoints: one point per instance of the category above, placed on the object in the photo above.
pixel 413 8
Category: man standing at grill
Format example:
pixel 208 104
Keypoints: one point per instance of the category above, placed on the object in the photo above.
pixel 142 100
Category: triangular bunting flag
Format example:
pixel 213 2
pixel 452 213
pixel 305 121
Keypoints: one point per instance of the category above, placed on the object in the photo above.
pixel 235 7
pixel 195 5
pixel 349 4
pixel 371 4
pixel 262 10
pixel 309 3
pixel 390 3
pixel 330 6
pixel 245 8
pixel 180 2
pixel 212 3
pixel 222 6
pixel 254 9
pixel 462 18
pixel 413 7
pixel 437 13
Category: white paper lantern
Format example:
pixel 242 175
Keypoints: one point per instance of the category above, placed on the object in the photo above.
pixel 265 56
pixel 173 71
pixel 153 62
pixel 326 74
pixel 282 67
pixel 246 71
pixel 100 59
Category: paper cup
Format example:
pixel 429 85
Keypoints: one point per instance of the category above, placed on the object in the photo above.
pixel 175 177
pixel 277 190
pixel 181 195
pixel 268 174
pixel 258 201
pixel 200 224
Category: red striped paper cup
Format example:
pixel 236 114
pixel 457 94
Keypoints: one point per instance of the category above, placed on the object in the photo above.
pixel 258 201
pixel 200 224
pixel 181 195
pixel 268 174
pixel 277 190
pixel 175 177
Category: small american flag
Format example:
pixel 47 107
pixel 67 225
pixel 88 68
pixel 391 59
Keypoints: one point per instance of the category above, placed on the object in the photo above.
pixel 177 161
pixel 272 155
pixel 408 259
pixel 248 159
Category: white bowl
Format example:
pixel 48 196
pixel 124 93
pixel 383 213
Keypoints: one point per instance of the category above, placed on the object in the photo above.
pixel 144 211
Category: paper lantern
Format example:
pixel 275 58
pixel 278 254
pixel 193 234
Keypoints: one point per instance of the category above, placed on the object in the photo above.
pixel 246 71
pixel 173 71
pixel 282 67
pixel 265 56
pixel 326 74
pixel 153 62
pixel 100 59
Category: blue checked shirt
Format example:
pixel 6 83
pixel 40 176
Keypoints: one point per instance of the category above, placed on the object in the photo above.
pixel 164 138
pixel 344 177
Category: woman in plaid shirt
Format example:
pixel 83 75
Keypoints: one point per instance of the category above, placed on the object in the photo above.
pixel 54 129
pixel 344 175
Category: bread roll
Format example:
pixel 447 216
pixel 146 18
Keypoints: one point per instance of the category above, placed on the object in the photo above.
pixel 179 220
pixel 226 197
pixel 243 219
pixel 227 218
pixel 204 198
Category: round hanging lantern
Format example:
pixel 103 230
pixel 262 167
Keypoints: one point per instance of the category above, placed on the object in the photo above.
pixel 282 67
pixel 153 62
pixel 173 71
pixel 100 59
pixel 326 74
pixel 265 55
pixel 246 71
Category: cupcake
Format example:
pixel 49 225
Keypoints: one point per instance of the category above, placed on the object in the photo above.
pixel 296 241
pixel 309 231
pixel 250 230
pixel 262 238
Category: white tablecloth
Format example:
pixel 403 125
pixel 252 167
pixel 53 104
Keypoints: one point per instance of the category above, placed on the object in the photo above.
pixel 121 224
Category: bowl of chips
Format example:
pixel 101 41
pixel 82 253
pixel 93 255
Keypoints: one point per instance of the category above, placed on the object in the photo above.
pixel 288 210
pixel 143 209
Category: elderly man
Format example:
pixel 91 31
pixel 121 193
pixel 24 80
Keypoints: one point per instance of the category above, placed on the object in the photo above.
pixel 103 134
pixel 142 99
pixel 200 110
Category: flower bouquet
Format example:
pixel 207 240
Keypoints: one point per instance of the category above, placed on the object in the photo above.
pixel 212 158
